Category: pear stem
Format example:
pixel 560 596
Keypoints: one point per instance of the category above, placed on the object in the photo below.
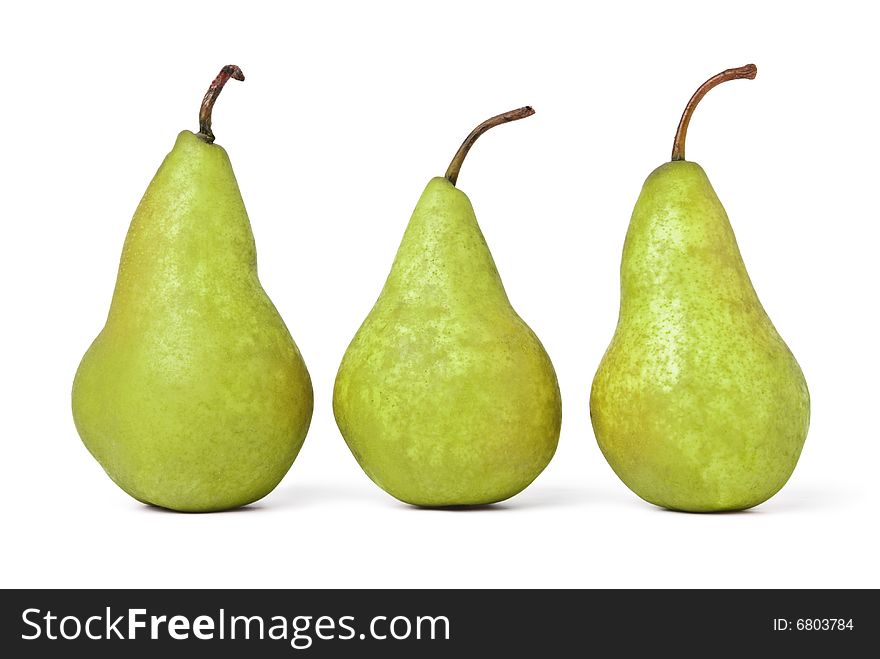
pixel 227 72
pixel 748 71
pixel 457 161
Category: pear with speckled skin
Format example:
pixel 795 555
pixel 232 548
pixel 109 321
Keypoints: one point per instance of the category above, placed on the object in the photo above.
pixel 194 396
pixel 698 404
pixel 445 396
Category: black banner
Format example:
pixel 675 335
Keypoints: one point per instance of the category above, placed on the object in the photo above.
pixel 434 623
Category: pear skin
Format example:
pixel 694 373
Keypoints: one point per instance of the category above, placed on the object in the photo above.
pixel 194 396
pixel 445 396
pixel 698 404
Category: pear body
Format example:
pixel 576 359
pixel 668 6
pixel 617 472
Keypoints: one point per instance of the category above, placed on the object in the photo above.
pixel 445 396
pixel 698 404
pixel 194 396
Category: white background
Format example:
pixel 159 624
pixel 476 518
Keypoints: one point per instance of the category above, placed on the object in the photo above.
pixel 348 109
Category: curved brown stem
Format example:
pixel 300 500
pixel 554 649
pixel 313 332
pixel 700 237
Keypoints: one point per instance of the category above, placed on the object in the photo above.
pixel 748 71
pixel 227 72
pixel 458 159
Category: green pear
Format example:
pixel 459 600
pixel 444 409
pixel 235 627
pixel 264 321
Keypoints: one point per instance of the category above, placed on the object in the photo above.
pixel 698 404
pixel 193 397
pixel 445 396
